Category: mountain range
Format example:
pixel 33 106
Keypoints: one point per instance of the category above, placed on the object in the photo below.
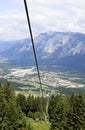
pixel 66 49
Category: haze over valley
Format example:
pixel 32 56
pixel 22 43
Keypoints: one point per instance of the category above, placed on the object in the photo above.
pixel 61 59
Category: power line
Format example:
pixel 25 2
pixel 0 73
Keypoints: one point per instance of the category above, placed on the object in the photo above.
pixel 32 40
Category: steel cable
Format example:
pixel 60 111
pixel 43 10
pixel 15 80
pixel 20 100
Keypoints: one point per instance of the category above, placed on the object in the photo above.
pixel 32 40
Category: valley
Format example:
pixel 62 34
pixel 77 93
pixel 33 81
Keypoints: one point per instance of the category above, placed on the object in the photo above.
pixel 54 80
pixel 61 57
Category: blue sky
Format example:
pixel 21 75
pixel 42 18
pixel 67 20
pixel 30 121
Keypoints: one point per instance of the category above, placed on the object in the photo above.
pixel 45 15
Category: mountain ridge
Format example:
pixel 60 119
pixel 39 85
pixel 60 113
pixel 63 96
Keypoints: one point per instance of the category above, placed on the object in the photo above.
pixel 52 48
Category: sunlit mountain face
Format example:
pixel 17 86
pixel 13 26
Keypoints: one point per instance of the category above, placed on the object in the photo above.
pixel 65 49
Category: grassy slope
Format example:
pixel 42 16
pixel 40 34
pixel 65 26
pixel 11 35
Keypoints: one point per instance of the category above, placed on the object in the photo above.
pixel 39 125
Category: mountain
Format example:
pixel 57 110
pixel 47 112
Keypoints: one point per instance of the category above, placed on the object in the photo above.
pixel 4 45
pixel 65 49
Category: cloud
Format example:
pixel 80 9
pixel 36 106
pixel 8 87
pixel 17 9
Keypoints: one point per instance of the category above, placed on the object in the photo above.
pixel 13 25
pixel 62 15
pixel 45 15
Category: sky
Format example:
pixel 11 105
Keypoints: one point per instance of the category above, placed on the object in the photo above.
pixel 45 15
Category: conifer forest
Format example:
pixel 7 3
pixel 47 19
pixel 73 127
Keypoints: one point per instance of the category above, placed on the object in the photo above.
pixel 61 112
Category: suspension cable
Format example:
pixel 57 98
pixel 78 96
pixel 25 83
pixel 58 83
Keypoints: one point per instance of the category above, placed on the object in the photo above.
pixel 32 40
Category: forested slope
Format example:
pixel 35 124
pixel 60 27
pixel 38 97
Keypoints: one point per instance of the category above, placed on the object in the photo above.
pixel 63 112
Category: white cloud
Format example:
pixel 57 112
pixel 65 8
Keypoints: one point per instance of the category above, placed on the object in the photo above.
pixel 62 15
pixel 45 15
pixel 13 25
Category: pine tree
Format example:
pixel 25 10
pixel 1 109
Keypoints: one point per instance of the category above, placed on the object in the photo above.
pixel 3 107
pixel 52 105
pixel 21 102
pixel 11 116
pixel 38 105
pixel 76 115
pixel 59 117
pixel 29 104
